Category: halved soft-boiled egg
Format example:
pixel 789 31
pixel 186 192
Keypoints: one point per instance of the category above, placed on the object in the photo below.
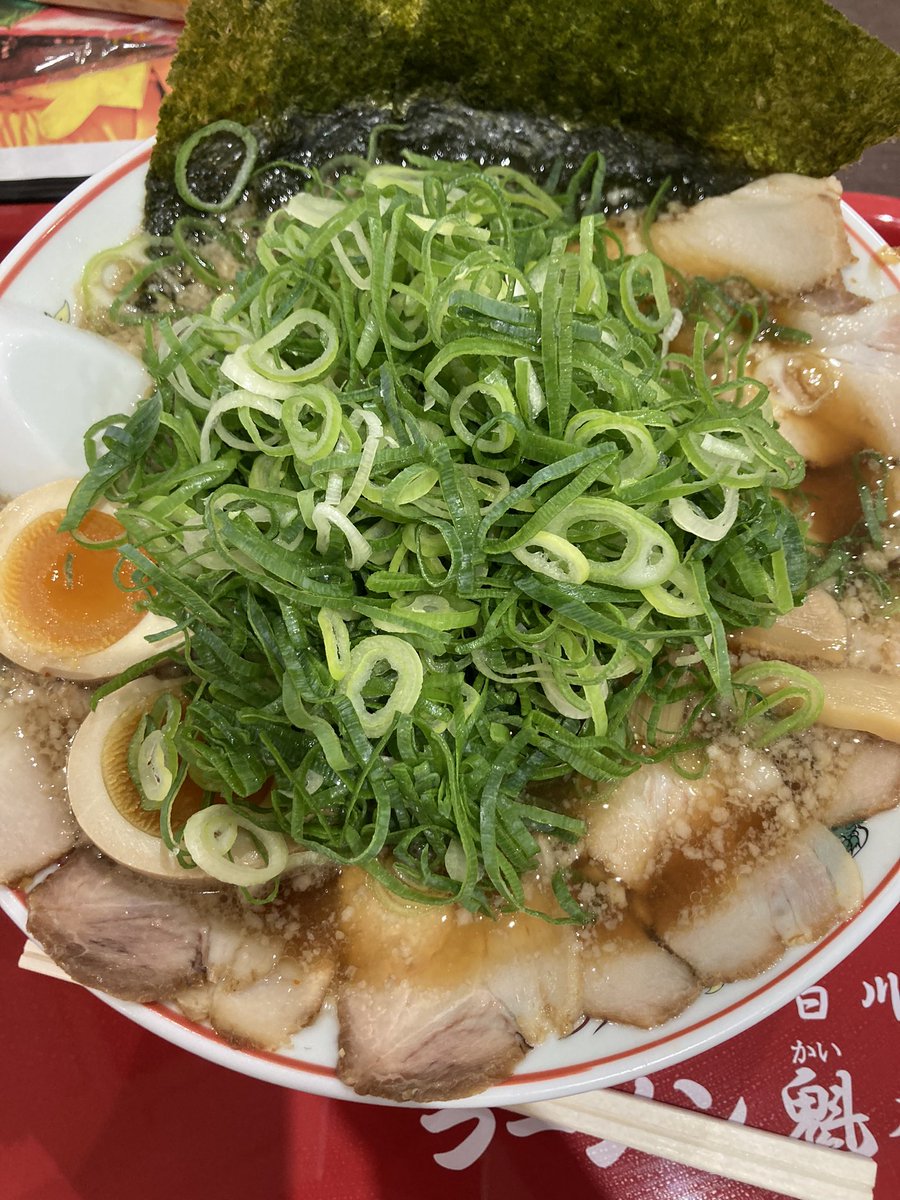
pixel 65 608
pixel 104 799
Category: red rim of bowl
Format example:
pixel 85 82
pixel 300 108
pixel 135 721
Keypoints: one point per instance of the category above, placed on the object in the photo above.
pixel 880 211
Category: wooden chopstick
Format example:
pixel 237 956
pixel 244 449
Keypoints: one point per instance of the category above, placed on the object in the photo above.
pixel 33 958
pixel 768 1160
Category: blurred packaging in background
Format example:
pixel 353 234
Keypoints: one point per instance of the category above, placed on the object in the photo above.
pixel 77 89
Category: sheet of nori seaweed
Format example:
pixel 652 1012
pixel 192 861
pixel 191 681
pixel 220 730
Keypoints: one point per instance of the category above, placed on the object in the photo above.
pixel 636 165
pixel 780 84
pixel 774 84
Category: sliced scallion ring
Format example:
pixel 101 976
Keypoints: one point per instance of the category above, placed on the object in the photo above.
pixel 241 177
pixel 554 557
pixel 404 660
pixel 210 837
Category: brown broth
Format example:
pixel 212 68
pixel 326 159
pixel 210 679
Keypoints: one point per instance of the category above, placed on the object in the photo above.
pixel 833 497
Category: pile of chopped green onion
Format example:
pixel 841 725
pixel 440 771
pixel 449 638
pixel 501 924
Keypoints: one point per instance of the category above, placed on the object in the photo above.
pixel 434 502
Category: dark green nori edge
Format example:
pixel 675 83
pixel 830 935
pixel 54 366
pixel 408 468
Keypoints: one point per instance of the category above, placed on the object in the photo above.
pixel 773 85
pixel 636 165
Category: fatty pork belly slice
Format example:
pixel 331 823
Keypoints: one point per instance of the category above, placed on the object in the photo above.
pixel 109 928
pixel 631 979
pixel 734 925
pixel 631 827
pixel 38 719
pixel 233 959
pixel 436 1003
pixel 37 823
pixel 837 394
pixel 784 233
pixel 267 1013
pixel 868 784
pixel 263 987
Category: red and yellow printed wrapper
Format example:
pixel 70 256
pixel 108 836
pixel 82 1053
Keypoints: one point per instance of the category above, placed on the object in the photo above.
pixel 77 89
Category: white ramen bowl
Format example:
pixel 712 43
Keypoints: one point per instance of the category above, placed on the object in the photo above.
pixel 42 273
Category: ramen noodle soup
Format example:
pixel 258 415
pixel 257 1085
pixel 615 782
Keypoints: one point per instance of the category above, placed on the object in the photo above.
pixel 492 610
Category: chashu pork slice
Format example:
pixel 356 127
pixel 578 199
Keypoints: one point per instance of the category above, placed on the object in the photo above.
pixel 633 827
pixel 735 925
pixel 630 978
pixel 869 783
pixel 838 394
pixel 145 939
pixel 37 823
pixel 235 960
pixel 262 986
pixel 266 1013
pixel 630 827
pixel 437 1003
pixel 112 929
pixel 232 961
pixel 405 1042
pixel 784 233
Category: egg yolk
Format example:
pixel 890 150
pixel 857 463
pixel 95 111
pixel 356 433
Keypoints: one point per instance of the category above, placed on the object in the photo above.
pixel 120 787
pixel 60 595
